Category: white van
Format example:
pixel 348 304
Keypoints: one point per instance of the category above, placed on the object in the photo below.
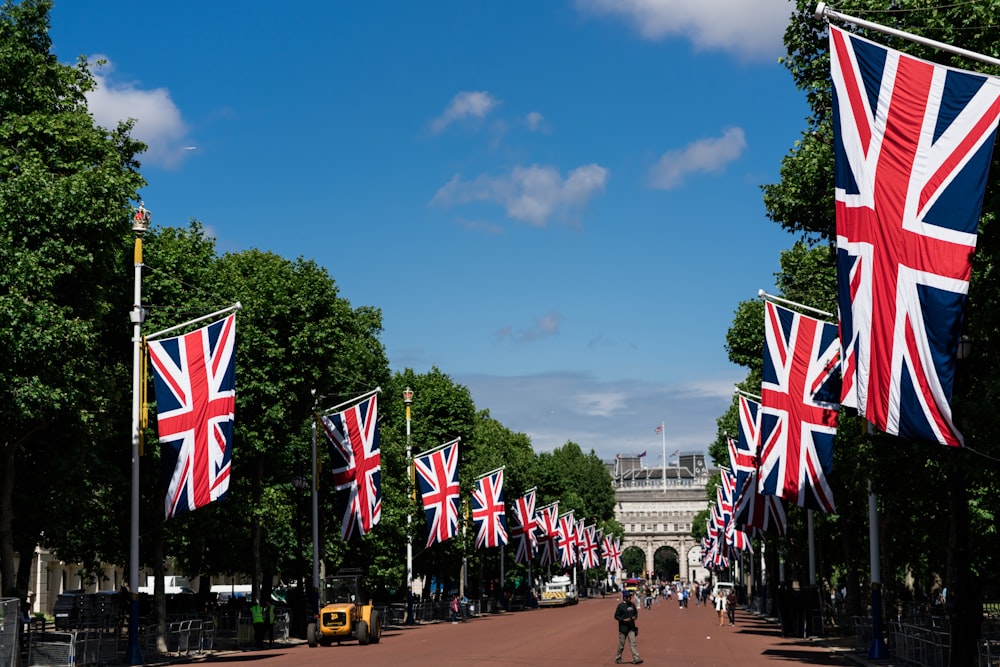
pixel 723 588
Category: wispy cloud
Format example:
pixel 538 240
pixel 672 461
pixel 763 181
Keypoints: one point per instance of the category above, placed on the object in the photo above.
pixel 532 194
pixel 465 105
pixel 535 121
pixel 158 120
pixel 542 327
pixel 605 416
pixel 751 29
pixel 704 155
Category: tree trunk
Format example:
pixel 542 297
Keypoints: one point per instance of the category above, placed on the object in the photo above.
pixel 964 603
pixel 7 573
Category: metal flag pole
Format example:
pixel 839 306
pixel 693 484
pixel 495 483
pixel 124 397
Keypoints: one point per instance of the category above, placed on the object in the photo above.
pixel 663 444
pixel 407 401
pixel 140 223
pixel 877 650
pixel 822 11
pixel 770 297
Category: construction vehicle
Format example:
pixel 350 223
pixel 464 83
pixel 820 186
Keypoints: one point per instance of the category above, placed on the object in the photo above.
pixel 558 592
pixel 345 612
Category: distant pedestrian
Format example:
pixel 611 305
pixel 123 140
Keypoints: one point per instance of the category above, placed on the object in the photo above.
pixel 731 606
pixel 626 615
pixel 454 609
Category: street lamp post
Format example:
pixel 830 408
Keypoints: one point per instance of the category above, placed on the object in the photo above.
pixel 300 615
pixel 140 223
pixel 408 400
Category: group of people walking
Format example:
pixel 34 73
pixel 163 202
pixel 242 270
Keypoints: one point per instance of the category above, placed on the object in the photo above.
pixel 626 614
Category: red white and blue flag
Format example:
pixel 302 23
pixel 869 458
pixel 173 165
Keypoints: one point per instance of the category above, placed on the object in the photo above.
pixel 799 393
pixel 751 510
pixel 548 534
pixel 489 515
pixel 566 540
pixel 437 477
pixel 588 553
pixel 194 378
pixel 736 537
pixel 523 531
pixel 912 145
pixel 356 460
pixel 612 553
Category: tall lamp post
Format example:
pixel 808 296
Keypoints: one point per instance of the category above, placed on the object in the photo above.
pixel 408 401
pixel 140 223
pixel 300 616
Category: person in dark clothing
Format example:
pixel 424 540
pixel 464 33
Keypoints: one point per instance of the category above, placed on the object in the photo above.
pixel 626 615
pixel 731 606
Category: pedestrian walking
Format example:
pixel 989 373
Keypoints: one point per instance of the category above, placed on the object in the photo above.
pixel 626 615
pixel 731 606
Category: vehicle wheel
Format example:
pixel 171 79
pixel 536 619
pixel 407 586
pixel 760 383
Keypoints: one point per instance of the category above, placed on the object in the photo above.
pixel 376 630
pixel 311 635
pixel 362 632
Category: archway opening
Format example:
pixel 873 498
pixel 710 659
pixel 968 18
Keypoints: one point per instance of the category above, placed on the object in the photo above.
pixel 634 562
pixel 666 563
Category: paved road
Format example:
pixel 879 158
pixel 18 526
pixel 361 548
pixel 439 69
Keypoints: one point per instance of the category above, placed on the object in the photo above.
pixel 582 635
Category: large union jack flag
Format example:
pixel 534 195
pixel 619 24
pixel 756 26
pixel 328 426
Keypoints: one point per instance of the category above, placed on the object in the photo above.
pixel 753 511
pixel 437 476
pixel 913 142
pixel 194 378
pixel 523 530
pixel 356 462
pixel 798 407
pixel 488 512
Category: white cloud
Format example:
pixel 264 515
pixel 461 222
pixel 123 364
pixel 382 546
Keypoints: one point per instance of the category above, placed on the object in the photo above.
pixel 543 327
pixel 465 105
pixel 534 121
pixel 607 416
pixel 704 155
pixel 751 29
pixel 531 194
pixel 158 120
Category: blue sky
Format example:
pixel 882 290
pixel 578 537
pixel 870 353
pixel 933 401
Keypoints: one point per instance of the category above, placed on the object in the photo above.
pixel 556 203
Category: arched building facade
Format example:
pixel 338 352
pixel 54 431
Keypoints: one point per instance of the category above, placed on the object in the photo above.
pixel 656 507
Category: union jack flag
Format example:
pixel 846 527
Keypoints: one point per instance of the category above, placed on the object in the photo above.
pixel 566 542
pixel 437 476
pixel 751 509
pixel 913 143
pixel 588 553
pixel 356 459
pixel 736 537
pixel 548 534
pixel 194 378
pixel 488 512
pixel 523 530
pixel 798 407
pixel 612 553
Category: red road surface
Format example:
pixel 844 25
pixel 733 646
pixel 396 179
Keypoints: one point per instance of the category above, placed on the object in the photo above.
pixel 585 634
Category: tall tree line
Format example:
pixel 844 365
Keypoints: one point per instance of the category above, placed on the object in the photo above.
pixel 937 506
pixel 67 188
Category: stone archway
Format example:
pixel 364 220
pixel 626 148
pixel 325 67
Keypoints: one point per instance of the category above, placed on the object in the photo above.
pixel 666 563
pixel 633 562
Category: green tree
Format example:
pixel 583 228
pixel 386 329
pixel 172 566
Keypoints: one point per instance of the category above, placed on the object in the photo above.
pixel 65 188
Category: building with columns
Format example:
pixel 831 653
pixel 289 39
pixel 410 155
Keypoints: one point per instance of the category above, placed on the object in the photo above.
pixel 656 507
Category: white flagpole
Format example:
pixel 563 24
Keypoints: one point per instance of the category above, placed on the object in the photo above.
pixel 770 297
pixel 140 222
pixel 822 11
pixel 663 443
pixel 235 306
